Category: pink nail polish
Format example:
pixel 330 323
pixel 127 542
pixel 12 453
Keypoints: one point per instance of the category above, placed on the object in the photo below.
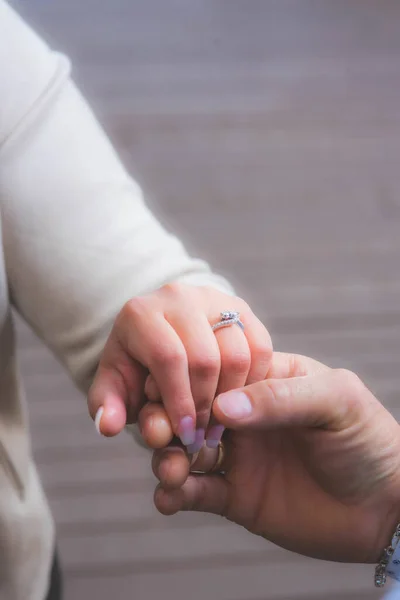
pixel 214 436
pixel 235 405
pixel 198 442
pixel 186 431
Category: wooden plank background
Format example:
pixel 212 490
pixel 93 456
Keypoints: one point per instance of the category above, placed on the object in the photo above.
pixel 268 134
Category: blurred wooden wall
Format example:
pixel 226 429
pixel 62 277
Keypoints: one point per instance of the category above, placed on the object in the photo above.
pixel 267 133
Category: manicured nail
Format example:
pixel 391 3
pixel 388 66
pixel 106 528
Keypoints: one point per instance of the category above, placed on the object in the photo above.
pixel 186 431
pixel 198 442
pixel 214 436
pixel 235 405
pixel 97 419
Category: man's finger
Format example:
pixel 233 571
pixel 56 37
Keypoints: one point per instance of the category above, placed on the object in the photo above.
pixel 327 399
pixel 171 465
pixel 203 493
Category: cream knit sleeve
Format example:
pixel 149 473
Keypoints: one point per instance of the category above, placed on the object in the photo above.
pixel 79 239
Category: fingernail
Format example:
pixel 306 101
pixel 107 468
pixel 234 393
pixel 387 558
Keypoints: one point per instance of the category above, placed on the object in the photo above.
pixel 214 436
pixel 97 419
pixel 198 442
pixel 186 431
pixel 235 405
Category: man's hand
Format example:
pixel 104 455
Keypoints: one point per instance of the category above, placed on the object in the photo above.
pixel 312 463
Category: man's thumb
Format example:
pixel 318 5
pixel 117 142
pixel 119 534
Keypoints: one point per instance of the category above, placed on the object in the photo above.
pixel 322 400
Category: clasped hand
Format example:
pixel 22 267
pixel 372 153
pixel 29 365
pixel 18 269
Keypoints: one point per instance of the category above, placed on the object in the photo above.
pixel 311 457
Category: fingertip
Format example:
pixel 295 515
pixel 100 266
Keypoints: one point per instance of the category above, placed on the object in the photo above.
pixel 214 435
pixel 157 435
pixel 187 430
pixel 173 473
pixel 110 421
pixel 155 426
pixel 232 407
pixel 171 466
pixel 168 502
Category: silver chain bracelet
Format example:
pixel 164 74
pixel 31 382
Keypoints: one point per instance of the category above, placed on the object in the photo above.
pixel 389 560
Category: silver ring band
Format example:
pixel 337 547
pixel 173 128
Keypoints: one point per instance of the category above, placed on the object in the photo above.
pixel 228 318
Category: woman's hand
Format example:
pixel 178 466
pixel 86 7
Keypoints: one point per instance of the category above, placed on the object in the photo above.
pixel 163 346
pixel 312 463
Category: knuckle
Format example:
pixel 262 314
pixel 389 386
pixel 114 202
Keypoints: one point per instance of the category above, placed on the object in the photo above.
pixel 175 289
pixel 291 366
pixel 243 305
pixel 349 382
pixel 167 355
pixel 294 369
pixel 282 394
pixel 205 366
pixel 209 290
pixel 352 394
pixel 134 308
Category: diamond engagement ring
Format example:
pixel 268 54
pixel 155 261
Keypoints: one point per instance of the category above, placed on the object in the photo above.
pixel 228 317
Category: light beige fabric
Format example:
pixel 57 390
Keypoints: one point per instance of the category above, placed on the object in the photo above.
pixel 77 242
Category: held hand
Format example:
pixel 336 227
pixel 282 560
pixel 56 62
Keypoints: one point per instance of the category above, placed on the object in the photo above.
pixel 312 463
pixel 163 346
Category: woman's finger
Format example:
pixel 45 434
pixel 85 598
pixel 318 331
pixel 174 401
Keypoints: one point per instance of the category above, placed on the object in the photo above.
pixel 235 358
pixel 245 357
pixel 171 465
pixel 204 362
pixel 144 334
pixel 260 345
pixel 116 394
pixel 235 364
pixel 217 362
